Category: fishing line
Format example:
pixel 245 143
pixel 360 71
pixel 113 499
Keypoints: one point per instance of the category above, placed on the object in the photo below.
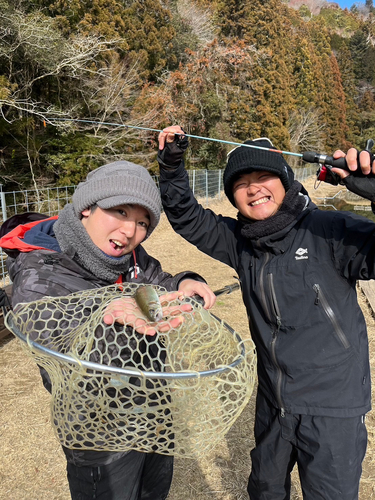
pixel 308 156
pixel 222 141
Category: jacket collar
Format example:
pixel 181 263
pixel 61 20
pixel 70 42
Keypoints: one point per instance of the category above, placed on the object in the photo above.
pixel 280 241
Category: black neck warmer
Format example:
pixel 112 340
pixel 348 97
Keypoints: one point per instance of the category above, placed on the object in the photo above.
pixel 72 235
pixel 293 204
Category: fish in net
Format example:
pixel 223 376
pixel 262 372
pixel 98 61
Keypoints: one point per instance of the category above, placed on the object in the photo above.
pixel 114 389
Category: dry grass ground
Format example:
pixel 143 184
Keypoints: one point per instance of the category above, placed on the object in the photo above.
pixel 32 466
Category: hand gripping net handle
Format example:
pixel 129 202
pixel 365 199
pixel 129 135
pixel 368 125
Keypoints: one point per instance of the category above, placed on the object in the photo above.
pixel 115 390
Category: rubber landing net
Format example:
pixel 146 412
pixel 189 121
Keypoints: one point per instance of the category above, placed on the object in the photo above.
pixel 114 389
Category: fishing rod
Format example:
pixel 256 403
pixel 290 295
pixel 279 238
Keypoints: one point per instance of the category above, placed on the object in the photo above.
pixel 226 290
pixel 326 162
pixel 121 125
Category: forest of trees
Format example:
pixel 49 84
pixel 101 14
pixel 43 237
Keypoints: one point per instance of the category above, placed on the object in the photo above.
pixel 225 69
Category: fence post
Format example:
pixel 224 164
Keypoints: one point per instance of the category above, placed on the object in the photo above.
pixel 219 187
pixel 193 186
pixel 3 203
pixel 206 187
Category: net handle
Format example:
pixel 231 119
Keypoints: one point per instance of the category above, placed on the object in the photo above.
pixel 127 371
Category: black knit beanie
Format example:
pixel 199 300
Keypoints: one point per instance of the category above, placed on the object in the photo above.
pixel 244 160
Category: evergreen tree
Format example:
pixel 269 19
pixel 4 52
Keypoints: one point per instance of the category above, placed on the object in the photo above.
pixel 358 49
pixel 143 28
pixel 270 72
pixel 233 18
pixel 346 66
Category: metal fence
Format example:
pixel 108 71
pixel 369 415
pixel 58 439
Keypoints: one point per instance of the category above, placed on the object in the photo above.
pixel 48 201
pixel 205 184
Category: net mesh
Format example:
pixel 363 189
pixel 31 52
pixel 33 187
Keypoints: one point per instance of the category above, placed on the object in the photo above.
pixel 114 389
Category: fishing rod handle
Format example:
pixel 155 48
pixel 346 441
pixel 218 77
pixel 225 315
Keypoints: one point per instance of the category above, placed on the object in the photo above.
pixel 311 157
pixel 322 159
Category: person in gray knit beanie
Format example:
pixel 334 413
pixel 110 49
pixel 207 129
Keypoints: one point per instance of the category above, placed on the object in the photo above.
pixel 112 185
pixel 96 241
pixel 119 183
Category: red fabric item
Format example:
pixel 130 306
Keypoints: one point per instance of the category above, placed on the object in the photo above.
pixel 14 239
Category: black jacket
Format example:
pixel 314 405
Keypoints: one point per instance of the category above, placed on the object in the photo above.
pixel 299 289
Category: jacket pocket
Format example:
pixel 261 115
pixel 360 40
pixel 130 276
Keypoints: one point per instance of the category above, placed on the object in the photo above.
pixel 322 301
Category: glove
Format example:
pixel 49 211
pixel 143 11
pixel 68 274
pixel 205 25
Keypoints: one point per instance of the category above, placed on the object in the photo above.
pixel 358 183
pixel 363 186
pixel 173 152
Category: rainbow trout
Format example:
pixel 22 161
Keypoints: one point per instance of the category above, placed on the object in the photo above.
pixel 148 302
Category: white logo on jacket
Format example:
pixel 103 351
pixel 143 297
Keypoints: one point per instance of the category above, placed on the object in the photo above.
pixel 301 253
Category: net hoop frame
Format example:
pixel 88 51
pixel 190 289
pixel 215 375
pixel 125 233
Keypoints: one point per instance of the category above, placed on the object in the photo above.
pixel 132 372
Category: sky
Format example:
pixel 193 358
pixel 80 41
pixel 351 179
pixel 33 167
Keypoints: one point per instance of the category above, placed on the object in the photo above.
pixel 347 3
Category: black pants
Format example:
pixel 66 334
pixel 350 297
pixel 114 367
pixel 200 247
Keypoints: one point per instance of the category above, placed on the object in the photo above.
pixel 136 476
pixel 328 452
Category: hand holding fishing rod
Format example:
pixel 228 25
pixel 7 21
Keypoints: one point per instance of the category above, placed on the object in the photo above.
pixel 355 170
pixel 226 290
pixel 172 145
pixel 364 159
pixel 337 167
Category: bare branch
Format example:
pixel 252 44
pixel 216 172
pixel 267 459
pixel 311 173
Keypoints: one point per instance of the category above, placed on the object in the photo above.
pixel 306 129
pixel 199 20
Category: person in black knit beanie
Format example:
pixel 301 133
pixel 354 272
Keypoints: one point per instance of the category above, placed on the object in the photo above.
pixel 245 160
pixel 298 267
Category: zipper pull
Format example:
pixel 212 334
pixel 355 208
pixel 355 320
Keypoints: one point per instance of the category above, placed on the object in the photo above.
pixel 282 413
pixel 316 290
pixel 278 321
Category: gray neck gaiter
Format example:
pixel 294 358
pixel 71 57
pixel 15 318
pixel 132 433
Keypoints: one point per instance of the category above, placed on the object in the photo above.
pixel 71 234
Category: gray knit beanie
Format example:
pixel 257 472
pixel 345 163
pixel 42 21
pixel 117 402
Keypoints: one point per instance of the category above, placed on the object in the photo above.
pixel 119 183
pixel 244 159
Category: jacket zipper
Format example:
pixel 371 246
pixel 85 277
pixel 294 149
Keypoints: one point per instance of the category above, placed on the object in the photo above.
pixel 320 298
pixel 263 288
pixel 273 346
pixel 275 332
